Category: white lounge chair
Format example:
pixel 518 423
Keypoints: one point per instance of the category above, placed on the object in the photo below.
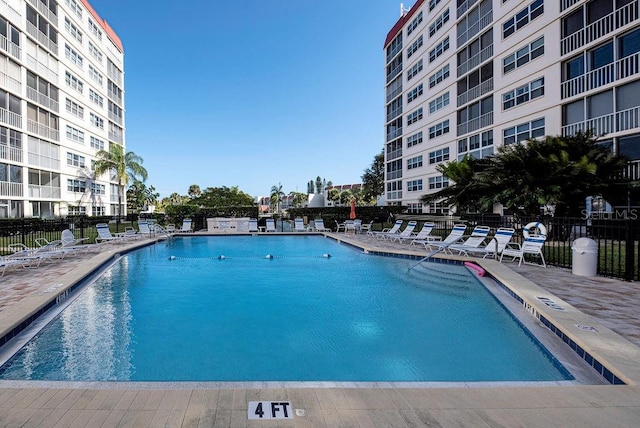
pixel 350 226
pixel 186 226
pixel 70 241
pixel 406 232
pixel 476 240
pixel 271 225
pixel 494 247
pixel 298 225
pixel 532 245
pixel 319 225
pixel 8 262
pixel 253 225
pixel 105 236
pixel 423 235
pixel 366 227
pixel 386 232
pixel 454 236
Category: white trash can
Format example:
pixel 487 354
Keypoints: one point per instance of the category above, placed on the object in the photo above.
pixel 585 257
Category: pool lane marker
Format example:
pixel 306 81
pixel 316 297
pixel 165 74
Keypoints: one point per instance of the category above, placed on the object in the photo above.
pixel 268 257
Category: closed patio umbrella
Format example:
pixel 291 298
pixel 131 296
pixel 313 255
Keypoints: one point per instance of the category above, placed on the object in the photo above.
pixel 352 214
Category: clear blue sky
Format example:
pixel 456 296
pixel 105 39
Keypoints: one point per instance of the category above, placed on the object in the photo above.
pixel 253 93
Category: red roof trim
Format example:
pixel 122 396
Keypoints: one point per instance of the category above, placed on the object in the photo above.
pixel 107 29
pixel 403 20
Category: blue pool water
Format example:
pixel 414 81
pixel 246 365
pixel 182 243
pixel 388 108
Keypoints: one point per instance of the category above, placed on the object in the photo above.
pixel 176 311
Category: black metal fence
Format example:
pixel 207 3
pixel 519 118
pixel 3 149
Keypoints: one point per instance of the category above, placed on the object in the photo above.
pixel 617 235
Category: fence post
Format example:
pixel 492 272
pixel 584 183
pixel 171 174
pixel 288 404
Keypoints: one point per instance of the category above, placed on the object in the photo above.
pixel 629 250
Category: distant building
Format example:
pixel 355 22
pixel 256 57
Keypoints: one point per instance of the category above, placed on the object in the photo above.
pixel 341 188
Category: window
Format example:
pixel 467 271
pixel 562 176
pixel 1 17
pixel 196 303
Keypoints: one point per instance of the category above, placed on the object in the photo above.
pixel 74 108
pixel 524 131
pixel 433 4
pixel 438 23
pixel 414 47
pixel 95 52
pixel 75 160
pixel 439 49
pixel 72 55
pixel 72 29
pixel 73 82
pixel 414 185
pixel 93 96
pixel 522 18
pixel 76 210
pixel 414 23
pixel 96 120
pixel 414 70
pixel 96 143
pixel 439 76
pixel 471 81
pixel 95 75
pixel 97 211
pixel 414 208
pixel 98 189
pixel 415 93
pixel 93 27
pixel 629 44
pixel 439 129
pixel 523 94
pixel 41 87
pixel 439 156
pixel 478 146
pixel 414 139
pixel 413 163
pixel 523 55
pixel 415 116
pixel 75 7
pixel 438 182
pixel 74 134
pixel 439 103
pixel 76 186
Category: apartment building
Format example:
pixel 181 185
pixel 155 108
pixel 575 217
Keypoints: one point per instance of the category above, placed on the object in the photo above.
pixel 61 101
pixel 465 77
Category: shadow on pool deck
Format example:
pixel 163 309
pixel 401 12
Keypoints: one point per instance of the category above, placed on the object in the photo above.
pixel 614 303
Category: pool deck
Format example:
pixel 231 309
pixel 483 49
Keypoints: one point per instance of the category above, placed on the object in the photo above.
pixel 607 307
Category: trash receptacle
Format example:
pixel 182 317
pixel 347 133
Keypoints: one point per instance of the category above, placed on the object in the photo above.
pixel 585 257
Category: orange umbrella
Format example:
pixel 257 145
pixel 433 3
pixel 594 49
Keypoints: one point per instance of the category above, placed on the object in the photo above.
pixel 352 214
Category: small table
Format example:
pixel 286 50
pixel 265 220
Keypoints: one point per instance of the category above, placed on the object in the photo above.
pixel 262 228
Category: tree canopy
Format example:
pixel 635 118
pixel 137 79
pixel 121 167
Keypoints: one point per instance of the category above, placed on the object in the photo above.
pixel 556 171
pixel 373 179
pixel 222 197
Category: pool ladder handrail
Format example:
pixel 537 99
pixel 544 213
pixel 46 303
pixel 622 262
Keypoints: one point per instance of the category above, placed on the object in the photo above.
pixel 433 253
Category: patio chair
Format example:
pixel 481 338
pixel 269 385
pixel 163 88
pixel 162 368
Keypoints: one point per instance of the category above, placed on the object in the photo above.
pixel 476 240
pixel 253 225
pixel 494 247
pixel 298 225
pixel 186 226
pixel 340 226
pixel 271 225
pixel 386 232
pixel 70 241
pixel 423 235
pixel 532 246
pixel 319 225
pixel 366 227
pixel 406 233
pixel 9 262
pixel 105 236
pixel 350 226
pixel 454 236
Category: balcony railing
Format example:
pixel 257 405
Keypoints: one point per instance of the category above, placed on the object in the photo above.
pixel 115 137
pixel 482 23
pixel 10 47
pixel 45 11
pixel 614 122
pixel 394 73
pixel 475 92
pixel 475 124
pixel 13 154
pixel 115 77
pixel 43 130
pixel 394 175
pixel 475 60
pixel 11 189
pixel 42 38
pixel 625 67
pixel 464 7
pixel 38 160
pixel 10 12
pixel 633 170
pixel 42 99
pixel 394 113
pixel 10 83
pixel 394 52
pixel 46 72
pixel 566 4
pixel 613 21
pixel 115 118
pixel 114 97
pixel 397 91
pixel 393 134
pixel 394 195
pixel 10 118
pixel 44 192
pixel 395 154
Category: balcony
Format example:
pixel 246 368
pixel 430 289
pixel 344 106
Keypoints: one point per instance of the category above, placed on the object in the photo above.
pixel 464 7
pixel 114 97
pixel 394 113
pixel 397 91
pixel 633 171
pixel 10 12
pixel 11 189
pixel 46 72
pixel 475 92
pixel 45 11
pixel 620 69
pixel 394 134
pixel 115 76
pixel 43 130
pixel 44 192
pixel 395 154
pixel 10 48
pixel 394 195
pixel 42 38
pixel 40 161
pixel 115 118
pixel 617 19
pixel 482 23
pixel 10 83
pixel 566 4
pixel 10 118
pixel 475 124
pixel 614 122
pixel 394 73
pixel 115 137
pixel 42 99
pixel 13 154
pixel 475 60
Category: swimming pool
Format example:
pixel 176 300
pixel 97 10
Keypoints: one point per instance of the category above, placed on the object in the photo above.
pixel 178 311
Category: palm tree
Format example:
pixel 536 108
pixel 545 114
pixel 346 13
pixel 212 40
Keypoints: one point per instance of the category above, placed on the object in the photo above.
pixel 124 167
pixel 276 196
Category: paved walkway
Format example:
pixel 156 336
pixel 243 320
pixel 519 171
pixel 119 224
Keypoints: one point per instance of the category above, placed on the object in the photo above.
pixel 613 303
